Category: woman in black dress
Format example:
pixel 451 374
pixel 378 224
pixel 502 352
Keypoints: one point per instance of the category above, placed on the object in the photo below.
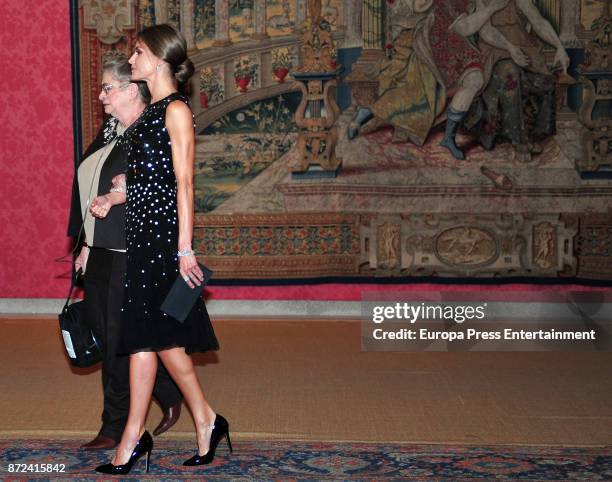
pixel 159 228
pixel 102 257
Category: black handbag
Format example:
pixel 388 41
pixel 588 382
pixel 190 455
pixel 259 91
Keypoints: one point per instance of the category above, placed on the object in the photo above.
pixel 81 345
pixel 181 297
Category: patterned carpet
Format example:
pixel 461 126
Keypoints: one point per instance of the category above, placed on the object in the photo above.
pixel 308 461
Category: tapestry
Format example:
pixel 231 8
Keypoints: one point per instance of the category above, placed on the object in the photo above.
pixel 360 139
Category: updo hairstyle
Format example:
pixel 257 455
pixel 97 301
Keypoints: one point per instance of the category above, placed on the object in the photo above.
pixel 166 43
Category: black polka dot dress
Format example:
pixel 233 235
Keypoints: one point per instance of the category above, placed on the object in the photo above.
pixel 152 243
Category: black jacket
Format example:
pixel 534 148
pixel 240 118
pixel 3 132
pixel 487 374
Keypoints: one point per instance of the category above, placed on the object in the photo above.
pixel 110 231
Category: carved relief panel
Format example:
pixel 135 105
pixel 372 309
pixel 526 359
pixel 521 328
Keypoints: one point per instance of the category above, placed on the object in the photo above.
pixel 110 19
pixel 468 245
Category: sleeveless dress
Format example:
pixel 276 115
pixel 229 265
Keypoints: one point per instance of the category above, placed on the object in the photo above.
pixel 152 243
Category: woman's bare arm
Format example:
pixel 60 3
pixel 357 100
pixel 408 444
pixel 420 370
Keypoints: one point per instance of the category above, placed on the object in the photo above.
pixel 179 122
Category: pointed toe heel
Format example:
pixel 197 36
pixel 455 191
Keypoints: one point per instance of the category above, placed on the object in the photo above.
pixel 220 430
pixel 144 446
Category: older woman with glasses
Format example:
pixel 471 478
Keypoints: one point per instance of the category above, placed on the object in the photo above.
pixel 97 219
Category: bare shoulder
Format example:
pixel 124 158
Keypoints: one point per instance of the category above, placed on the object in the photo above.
pixel 178 114
pixel 178 108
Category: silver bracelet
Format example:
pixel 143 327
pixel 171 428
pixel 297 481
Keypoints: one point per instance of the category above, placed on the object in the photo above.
pixel 185 252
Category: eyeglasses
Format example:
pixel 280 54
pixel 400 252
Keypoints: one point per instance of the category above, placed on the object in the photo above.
pixel 108 88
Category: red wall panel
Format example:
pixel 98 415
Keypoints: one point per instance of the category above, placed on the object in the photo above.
pixel 35 147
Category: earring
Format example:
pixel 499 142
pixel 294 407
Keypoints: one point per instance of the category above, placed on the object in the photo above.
pixel 158 67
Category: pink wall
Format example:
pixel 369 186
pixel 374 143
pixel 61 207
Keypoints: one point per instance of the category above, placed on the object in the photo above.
pixel 35 147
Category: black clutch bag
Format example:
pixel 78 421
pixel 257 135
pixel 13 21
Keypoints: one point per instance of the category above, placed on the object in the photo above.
pixel 81 345
pixel 181 297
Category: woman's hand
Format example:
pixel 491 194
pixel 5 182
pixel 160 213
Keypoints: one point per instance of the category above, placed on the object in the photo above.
pixel 119 183
pixel 190 270
pixel 100 206
pixel 80 263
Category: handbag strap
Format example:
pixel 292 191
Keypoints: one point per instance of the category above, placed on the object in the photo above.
pixel 73 282
pixel 102 155
pixel 75 274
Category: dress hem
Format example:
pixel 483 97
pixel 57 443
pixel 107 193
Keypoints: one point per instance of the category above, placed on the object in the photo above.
pixel 188 350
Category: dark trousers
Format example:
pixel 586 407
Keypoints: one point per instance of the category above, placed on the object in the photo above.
pixel 104 286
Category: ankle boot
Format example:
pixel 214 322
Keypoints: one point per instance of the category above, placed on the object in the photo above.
pixel 452 125
pixel 362 116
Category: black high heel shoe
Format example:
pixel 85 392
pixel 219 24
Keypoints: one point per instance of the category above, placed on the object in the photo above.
pixel 144 446
pixel 220 429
